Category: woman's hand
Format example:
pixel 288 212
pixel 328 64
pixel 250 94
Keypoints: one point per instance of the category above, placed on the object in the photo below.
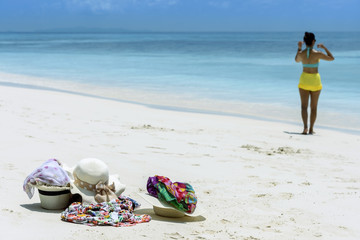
pixel 320 45
pixel 300 45
pixel 329 56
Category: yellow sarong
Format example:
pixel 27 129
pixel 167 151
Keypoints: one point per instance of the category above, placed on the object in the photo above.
pixel 310 81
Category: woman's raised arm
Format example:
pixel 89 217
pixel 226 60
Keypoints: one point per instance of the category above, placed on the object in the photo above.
pixel 297 56
pixel 329 56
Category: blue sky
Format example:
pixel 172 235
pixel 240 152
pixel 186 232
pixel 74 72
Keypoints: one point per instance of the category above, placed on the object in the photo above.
pixel 181 15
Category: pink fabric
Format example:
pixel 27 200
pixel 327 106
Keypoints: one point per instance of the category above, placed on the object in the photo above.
pixel 49 173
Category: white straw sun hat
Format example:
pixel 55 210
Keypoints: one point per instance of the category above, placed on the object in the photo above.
pixel 166 210
pixel 54 197
pixel 87 175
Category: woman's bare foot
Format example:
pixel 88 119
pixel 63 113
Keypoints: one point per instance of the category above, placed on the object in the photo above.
pixel 311 132
pixel 305 131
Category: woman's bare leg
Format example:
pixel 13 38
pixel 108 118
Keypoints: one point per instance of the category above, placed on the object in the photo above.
pixel 314 96
pixel 304 96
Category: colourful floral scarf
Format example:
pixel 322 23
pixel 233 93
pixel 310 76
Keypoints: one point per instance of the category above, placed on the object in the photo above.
pixel 179 195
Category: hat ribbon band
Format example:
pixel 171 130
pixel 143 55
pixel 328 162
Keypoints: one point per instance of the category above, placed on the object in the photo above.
pixel 48 193
pixel 85 185
pixel 105 193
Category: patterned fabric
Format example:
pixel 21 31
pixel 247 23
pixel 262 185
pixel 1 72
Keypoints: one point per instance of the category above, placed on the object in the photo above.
pixel 179 195
pixel 117 213
pixel 49 173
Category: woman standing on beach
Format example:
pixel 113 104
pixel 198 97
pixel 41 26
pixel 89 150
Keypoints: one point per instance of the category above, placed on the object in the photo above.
pixel 310 82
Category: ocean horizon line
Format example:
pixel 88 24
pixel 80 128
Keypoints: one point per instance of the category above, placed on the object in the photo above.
pixel 119 31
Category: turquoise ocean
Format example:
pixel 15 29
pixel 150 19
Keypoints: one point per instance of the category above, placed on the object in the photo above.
pixel 241 74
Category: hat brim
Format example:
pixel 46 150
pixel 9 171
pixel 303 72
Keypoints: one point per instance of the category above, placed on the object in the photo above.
pixel 88 196
pixel 49 188
pixel 166 210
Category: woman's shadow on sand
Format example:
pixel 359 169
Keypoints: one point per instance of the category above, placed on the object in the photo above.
pixel 294 133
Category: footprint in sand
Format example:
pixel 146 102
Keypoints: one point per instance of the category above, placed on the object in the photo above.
pixel 148 126
pixel 155 147
pixel 11 166
pixel 272 151
pixel 251 238
pixel 210 231
pixel 11 211
pixel 318 235
pixel 287 196
pixel 7 210
pixel 271 184
pixel 208 192
pixel 306 183
pixel 251 147
pixel 225 221
pixel 248 166
pixel 261 195
pixel 174 235
pixel 283 150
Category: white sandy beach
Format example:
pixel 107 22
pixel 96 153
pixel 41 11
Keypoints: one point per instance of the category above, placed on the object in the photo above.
pixel 255 179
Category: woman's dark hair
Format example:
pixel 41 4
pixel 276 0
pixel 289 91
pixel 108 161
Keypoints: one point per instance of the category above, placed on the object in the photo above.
pixel 309 38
